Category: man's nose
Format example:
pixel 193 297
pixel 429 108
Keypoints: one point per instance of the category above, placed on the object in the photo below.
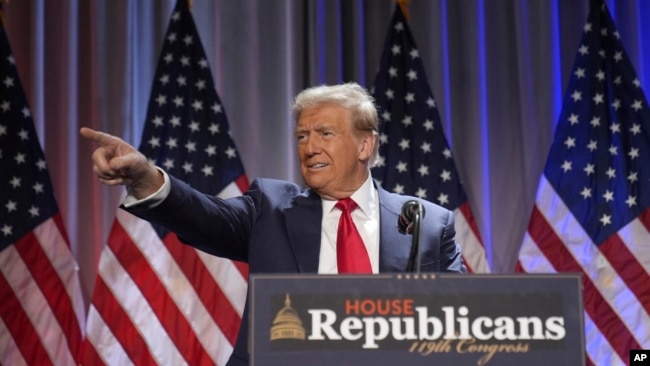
pixel 312 146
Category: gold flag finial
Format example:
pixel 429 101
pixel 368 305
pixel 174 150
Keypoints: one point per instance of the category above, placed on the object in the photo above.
pixel 404 5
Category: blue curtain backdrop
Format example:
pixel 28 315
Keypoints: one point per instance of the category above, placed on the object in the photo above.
pixel 498 70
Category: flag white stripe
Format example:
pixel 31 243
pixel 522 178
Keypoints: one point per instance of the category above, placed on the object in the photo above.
pixel 10 355
pixel 231 190
pixel 598 347
pixel 229 279
pixel 472 249
pixel 177 285
pixel 61 258
pixel 532 259
pixel 128 295
pixel 104 342
pixel 593 262
pixel 36 307
pixel 634 234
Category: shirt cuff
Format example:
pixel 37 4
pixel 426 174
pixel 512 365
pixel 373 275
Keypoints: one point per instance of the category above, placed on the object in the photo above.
pixel 152 200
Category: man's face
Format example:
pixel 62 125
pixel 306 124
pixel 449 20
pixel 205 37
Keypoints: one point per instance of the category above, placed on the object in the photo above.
pixel 333 154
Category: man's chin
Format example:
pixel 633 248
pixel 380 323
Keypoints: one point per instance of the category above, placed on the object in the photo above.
pixel 314 184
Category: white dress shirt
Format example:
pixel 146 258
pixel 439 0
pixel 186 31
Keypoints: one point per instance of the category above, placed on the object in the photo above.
pixel 366 219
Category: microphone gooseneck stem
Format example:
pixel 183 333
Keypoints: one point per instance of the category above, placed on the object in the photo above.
pixel 417 223
pixel 414 261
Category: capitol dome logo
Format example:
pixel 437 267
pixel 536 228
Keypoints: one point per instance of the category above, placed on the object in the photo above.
pixel 287 323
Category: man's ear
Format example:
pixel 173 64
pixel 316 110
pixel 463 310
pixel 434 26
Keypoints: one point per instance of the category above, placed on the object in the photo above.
pixel 368 142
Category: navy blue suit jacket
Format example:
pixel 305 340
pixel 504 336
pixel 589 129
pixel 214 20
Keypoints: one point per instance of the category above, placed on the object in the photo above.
pixel 275 227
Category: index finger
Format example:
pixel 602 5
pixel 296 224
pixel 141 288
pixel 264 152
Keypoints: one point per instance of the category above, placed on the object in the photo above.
pixel 101 138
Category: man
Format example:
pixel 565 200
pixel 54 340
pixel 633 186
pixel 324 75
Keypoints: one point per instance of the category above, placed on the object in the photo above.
pixel 276 226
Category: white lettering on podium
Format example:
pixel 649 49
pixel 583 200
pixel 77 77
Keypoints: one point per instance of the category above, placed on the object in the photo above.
pixel 455 325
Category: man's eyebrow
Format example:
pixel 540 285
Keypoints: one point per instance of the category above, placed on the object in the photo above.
pixel 317 127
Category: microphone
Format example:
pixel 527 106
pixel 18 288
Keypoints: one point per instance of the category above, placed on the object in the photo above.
pixel 409 222
pixel 407 216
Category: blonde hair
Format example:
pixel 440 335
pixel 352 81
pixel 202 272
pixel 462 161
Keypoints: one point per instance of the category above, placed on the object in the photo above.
pixel 349 95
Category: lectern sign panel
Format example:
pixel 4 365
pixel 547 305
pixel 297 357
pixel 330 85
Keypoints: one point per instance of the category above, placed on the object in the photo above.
pixel 416 320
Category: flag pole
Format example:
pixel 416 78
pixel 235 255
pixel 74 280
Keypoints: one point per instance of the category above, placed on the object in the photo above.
pixel 404 6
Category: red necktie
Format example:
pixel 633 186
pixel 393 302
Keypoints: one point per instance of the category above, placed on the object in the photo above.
pixel 351 253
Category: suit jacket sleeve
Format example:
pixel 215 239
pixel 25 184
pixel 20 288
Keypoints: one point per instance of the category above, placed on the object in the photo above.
pixel 451 259
pixel 214 225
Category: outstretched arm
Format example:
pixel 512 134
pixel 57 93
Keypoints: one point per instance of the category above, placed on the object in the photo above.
pixel 116 162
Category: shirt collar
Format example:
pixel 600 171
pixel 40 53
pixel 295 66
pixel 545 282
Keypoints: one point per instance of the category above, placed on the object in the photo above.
pixel 365 197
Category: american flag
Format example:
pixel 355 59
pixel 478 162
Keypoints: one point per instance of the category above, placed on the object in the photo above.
pixel 415 157
pixel 157 301
pixel 41 306
pixel 591 213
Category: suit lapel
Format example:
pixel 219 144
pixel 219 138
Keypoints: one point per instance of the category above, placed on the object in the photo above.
pixel 394 247
pixel 305 239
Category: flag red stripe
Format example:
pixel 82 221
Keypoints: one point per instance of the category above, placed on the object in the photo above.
pixel 467 266
pixel 53 289
pixel 21 327
pixel 58 221
pixel 471 221
pixel 629 269
pixel 519 268
pixel 171 318
pixel 89 355
pixel 604 317
pixel 243 268
pixel 242 183
pixel 473 250
pixel 117 319
pixel 644 218
pixel 214 300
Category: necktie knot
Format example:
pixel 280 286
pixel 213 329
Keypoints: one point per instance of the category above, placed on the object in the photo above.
pixel 346 205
